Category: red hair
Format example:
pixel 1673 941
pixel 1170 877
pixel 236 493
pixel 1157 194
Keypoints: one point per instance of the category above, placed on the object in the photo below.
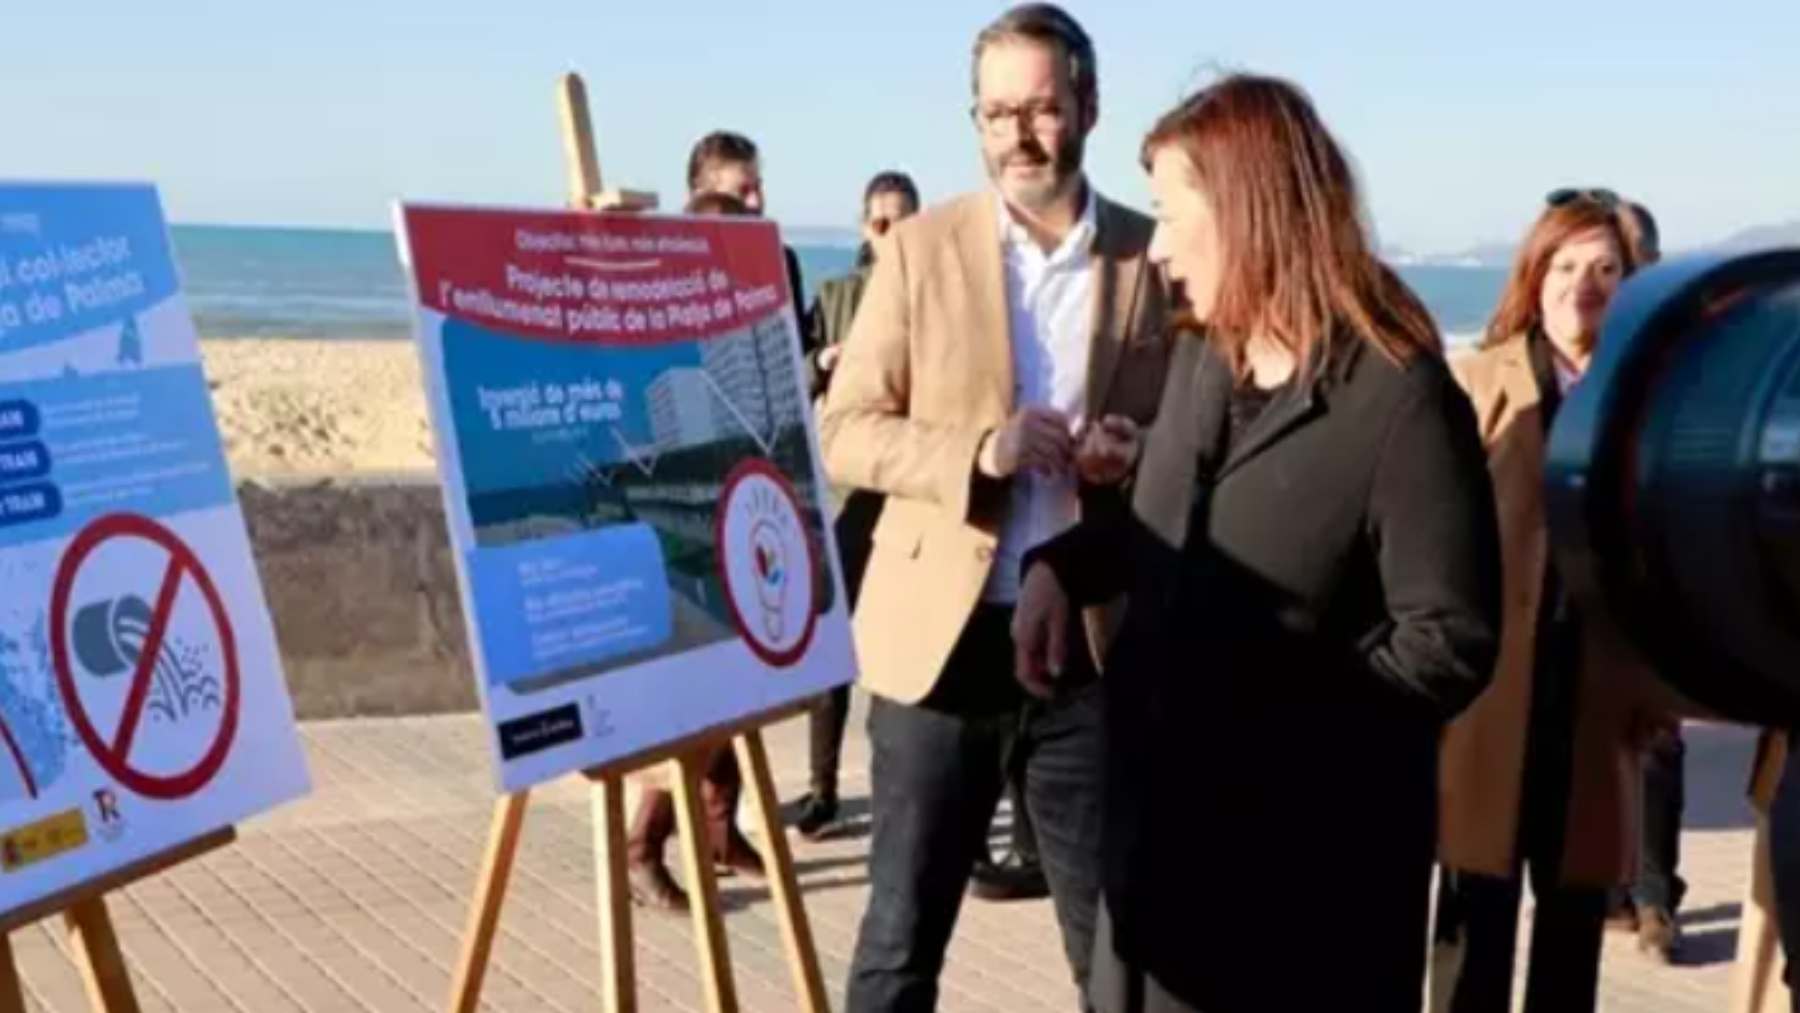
pixel 1296 261
pixel 1520 309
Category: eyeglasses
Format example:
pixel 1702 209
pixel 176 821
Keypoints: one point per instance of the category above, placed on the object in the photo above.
pixel 1594 195
pixel 1033 117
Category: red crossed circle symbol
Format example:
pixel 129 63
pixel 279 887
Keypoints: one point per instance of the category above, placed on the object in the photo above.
pixel 115 757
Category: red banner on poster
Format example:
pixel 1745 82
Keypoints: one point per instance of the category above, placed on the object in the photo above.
pixel 604 278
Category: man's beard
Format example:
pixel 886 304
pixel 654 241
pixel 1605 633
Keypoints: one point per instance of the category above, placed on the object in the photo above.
pixel 1038 195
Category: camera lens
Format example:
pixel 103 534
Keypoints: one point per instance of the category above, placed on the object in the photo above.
pixel 1673 480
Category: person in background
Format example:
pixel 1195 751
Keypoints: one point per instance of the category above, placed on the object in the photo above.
pixel 1641 234
pixel 1648 908
pixel 1311 579
pixel 729 163
pixel 1541 773
pixel 654 821
pixel 888 199
pixel 1005 338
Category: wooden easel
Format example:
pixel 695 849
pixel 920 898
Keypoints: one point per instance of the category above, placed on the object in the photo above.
pixel 618 978
pixel 90 929
pixel 1756 985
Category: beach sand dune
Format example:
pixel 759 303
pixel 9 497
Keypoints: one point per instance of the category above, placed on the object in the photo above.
pixel 319 407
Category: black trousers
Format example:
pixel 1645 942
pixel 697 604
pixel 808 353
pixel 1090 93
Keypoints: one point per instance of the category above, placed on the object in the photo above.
pixel 853 528
pixel 1482 914
pixel 937 775
pixel 1665 794
pixel 825 725
pixel 1478 916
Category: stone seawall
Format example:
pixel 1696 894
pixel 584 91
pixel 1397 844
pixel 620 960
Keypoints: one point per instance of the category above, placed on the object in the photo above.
pixel 359 576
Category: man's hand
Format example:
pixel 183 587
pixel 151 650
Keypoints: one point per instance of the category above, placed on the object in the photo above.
pixel 1107 449
pixel 1040 630
pixel 1035 439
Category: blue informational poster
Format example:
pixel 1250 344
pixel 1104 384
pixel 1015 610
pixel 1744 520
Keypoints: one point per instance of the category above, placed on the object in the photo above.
pixel 142 702
pixel 630 474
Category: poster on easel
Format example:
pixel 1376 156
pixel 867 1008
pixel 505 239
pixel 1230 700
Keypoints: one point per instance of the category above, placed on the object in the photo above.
pixel 142 702
pixel 631 478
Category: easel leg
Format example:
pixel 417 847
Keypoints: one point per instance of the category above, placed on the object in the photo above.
pixel 12 992
pixel 97 955
pixel 1756 985
pixel 612 899
pixel 490 892
pixel 796 931
pixel 703 889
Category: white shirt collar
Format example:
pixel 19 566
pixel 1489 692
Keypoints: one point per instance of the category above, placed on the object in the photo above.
pixel 1079 240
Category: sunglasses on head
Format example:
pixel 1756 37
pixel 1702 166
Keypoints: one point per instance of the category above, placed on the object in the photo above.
pixel 1595 195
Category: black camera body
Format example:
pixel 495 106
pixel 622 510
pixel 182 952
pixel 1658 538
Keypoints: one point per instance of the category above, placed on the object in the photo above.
pixel 1673 480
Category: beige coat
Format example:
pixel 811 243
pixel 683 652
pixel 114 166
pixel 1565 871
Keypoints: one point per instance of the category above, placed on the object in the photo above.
pixel 1484 748
pixel 926 374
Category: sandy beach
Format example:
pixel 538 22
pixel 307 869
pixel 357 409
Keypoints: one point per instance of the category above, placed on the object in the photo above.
pixel 319 407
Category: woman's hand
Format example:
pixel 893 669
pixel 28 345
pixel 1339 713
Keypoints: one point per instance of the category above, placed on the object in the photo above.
pixel 1106 449
pixel 1040 629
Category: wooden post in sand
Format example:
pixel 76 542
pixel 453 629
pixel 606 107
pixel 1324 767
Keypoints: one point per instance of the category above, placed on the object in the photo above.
pixel 686 758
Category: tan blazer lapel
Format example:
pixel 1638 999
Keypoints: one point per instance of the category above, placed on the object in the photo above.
pixel 1518 385
pixel 979 249
pixel 1512 430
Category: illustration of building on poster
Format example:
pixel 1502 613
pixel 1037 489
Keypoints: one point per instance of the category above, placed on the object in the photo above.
pixel 142 703
pixel 631 478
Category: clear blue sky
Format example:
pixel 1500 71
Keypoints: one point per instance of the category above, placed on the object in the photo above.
pixel 1461 115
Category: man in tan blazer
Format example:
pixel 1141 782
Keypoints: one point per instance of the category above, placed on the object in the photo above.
pixel 995 328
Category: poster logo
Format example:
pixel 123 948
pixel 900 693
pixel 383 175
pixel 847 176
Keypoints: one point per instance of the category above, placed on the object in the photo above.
pixel 106 809
pixel 47 838
pixel 767 562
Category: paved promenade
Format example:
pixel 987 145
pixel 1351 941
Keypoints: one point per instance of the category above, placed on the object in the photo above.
pixel 355 898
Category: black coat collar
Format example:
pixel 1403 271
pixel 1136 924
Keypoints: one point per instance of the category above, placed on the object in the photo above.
pixel 1299 403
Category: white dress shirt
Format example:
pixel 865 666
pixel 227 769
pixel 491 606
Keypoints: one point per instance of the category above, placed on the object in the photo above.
pixel 1050 317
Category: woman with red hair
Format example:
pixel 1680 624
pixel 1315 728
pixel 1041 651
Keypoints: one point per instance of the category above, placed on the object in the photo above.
pixel 1541 771
pixel 1310 580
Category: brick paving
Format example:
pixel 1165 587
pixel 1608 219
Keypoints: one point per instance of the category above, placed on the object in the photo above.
pixel 354 899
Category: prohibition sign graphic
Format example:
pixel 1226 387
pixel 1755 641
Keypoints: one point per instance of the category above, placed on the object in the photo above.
pixel 115 756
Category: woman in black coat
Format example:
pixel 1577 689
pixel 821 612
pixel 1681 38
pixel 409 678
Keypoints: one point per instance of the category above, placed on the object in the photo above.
pixel 1311 581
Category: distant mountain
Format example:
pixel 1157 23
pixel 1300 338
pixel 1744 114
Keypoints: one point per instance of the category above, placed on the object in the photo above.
pixel 1760 237
pixel 1480 255
pixel 1492 255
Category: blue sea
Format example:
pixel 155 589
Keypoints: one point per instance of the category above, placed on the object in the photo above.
pixel 325 283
